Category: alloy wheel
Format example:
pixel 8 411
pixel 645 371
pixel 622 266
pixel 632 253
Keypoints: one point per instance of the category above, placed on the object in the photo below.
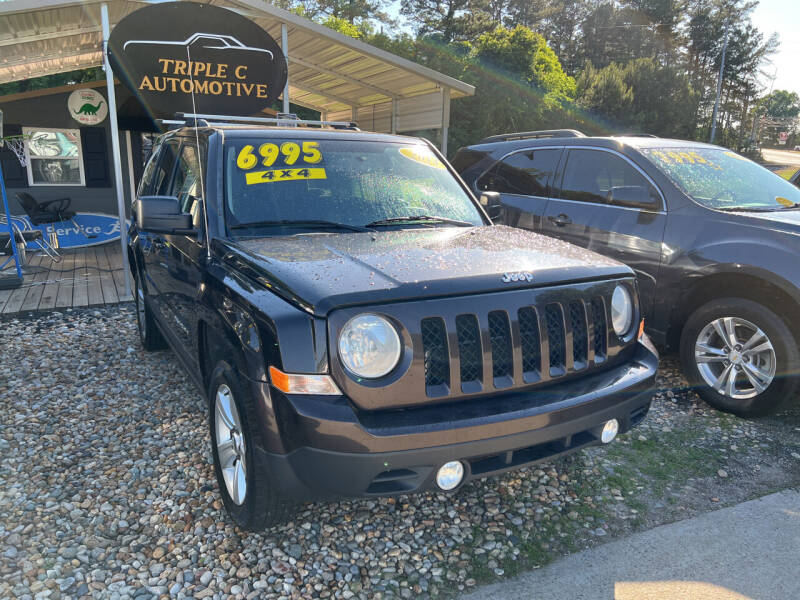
pixel 230 442
pixel 735 357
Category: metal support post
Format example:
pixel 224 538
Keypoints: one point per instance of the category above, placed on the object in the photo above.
pixel 112 115
pixel 285 48
pixel 445 118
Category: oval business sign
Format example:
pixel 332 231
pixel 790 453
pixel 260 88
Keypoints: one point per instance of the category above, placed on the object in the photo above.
pixel 190 57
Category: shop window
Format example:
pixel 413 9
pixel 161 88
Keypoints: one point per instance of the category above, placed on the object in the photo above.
pixel 54 156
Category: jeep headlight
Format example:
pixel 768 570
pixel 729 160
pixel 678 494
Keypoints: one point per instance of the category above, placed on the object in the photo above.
pixel 369 346
pixel 621 310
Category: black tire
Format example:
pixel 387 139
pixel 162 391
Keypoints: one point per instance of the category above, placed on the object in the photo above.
pixel 262 505
pixel 784 385
pixel 149 334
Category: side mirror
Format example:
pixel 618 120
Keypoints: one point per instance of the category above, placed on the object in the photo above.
pixel 636 196
pixel 162 214
pixel 490 201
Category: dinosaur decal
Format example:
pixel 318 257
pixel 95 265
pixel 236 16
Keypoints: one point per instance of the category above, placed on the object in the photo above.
pixel 88 109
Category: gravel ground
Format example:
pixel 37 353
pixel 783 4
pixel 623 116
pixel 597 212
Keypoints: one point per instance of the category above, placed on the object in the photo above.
pixel 107 488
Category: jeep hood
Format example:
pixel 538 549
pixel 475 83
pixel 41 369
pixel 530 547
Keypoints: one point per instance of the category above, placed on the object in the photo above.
pixel 323 271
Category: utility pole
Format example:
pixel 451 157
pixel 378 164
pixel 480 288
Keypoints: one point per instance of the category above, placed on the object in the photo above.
pixel 719 85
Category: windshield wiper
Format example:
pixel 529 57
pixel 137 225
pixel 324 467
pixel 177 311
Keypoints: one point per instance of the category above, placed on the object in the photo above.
pixel 751 208
pixel 412 218
pixel 299 223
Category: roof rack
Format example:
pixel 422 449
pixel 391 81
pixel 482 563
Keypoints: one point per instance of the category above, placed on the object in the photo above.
pixel 644 135
pixel 282 119
pixel 526 135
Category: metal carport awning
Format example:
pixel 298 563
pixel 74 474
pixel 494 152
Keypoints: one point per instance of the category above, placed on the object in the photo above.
pixel 337 75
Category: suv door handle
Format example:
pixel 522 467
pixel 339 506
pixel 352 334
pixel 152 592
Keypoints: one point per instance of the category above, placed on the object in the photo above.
pixel 560 220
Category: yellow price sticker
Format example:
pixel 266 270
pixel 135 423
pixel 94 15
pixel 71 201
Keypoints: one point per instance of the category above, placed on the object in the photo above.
pixel 423 156
pixel 268 153
pixel 275 175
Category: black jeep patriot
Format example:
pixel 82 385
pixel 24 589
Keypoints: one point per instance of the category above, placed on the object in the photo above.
pixel 359 326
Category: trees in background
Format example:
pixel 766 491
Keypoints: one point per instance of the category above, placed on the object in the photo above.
pixel 781 104
pixel 603 66
pixel 607 65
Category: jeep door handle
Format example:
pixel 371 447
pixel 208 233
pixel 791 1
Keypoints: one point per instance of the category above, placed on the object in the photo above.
pixel 560 220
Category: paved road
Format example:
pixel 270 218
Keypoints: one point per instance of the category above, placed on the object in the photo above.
pixel 748 551
pixel 782 157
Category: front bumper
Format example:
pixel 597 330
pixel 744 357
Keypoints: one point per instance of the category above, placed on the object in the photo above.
pixel 333 450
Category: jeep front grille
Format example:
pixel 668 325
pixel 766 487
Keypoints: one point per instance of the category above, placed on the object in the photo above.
pixel 462 346
pixel 469 348
pixel 598 318
pixel 547 333
pixel 434 343
pixel 500 338
pixel 531 344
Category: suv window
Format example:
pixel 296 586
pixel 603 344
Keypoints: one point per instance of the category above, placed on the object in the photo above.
pixel 723 180
pixel 186 185
pixel 162 177
pixel 526 173
pixel 590 175
pixel 352 182
pixel 146 184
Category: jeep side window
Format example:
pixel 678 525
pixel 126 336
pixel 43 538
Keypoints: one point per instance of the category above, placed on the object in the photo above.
pixel 186 185
pixel 146 184
pixel 590 175
pixel 524 173
pixel 162 178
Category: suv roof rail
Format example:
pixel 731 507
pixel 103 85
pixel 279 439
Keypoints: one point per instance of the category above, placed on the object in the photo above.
pixel 283 119
pixel 644 135
pixel 526 135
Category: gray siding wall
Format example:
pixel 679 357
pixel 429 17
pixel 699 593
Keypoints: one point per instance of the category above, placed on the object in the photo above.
pixel 51 111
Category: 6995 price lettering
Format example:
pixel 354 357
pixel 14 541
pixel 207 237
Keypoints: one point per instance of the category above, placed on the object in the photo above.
pixel 268 153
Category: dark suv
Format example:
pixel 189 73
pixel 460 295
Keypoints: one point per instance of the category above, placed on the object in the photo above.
pixel 713 237
pixel 359 326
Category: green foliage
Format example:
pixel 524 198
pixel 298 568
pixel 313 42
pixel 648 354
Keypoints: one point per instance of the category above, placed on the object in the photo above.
pixel 345 27
pixel 641 96
pixel 523 54
pixel 605 93
pixel 781 104
pixel 450 20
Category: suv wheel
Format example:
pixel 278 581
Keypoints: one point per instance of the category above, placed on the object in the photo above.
pixel 149 334
pixel 741 356
pixel 246 486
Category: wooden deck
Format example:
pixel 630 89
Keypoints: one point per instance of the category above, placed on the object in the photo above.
pixel 84 277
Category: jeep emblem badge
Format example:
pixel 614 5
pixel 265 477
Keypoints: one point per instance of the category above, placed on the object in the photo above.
pixel 518 276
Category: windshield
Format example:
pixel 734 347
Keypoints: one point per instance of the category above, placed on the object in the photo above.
pixel 281 186
pixel 723 180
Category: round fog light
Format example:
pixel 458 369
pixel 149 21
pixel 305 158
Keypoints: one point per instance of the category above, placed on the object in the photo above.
pixel 450 475
pixel 610 430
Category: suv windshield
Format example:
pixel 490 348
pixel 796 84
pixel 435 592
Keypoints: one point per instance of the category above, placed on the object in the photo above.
pixel 275 186
pixel 723 180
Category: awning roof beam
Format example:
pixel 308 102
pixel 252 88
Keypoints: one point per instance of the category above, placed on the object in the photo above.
pixel 49 36
pixel 340 75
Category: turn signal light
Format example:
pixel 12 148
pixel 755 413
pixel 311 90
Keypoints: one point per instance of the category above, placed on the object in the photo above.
pixel 641 330
pixel 290 383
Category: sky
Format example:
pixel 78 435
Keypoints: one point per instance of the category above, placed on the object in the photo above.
pixel 783 17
